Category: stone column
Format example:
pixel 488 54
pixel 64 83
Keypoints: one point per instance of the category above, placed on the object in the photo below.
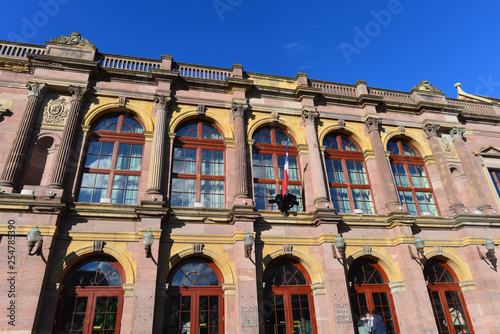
pixel 315 159
pixel 159 142
pixel 19 148
pixel 384 168
pixel 238 111
pixel 450 189
pixel 469 170
pixel 72 122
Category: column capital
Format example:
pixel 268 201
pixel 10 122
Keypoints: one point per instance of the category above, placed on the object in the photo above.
pixel 372 123
pixel 238 109
pixel 457 133
pixel 77 92
pixel 36 89
pixel 161 101
pixel 309 116
pixel 431 130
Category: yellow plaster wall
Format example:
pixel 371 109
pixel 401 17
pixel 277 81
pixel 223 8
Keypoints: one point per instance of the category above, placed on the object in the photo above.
pixel 414 136
pixel 385 260
pixel 454 260
pixel 355 130
pixel 78 250
pixel 218 116
pixel 290 123
pixel 103 105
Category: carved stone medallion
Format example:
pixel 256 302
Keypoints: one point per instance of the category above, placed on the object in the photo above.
pixel 447 145
pixel 56 111
pixel 74 39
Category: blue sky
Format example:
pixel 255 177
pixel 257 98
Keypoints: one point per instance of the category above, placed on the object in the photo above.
pixel 389 44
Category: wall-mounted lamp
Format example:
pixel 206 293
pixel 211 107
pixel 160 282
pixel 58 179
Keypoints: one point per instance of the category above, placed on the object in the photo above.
pixel 490 246
pixel 339 242
pixel 35 236
pixel 148 239
pixel 419 245
pixel 248 241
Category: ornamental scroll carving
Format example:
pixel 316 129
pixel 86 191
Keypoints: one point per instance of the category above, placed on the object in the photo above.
pixel 309 116
pixel 431 130
pixel 55 111
pixel 425 86
pixel 74 39
pixel 162 101
pixel 372 123
pixel 238 109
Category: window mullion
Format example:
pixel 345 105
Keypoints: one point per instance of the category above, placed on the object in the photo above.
pixel 114 157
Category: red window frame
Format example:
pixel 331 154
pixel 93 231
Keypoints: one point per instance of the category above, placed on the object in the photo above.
pixel 406 160
pixel 441 289
pixel 91 293
pixel 276 150
pixel 344 155
pixel 495 177
pixel 194 292
pixel 287 291
pixel 199 144
pixel 368 290
pixel 116 137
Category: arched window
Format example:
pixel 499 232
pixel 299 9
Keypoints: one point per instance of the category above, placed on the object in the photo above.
pixel 113 164
pixel 345 166
pixel 288 303
pixel 268 157
pixel 92 299
pixel 414 188
pixel 198 167
pixel 194 300
pixel 370 291
pixel 447 300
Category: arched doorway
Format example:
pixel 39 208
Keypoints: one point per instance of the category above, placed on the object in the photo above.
pixel 369 291
pixel 194 302
pixel 288 303
pixel 92 299
pixel 447 300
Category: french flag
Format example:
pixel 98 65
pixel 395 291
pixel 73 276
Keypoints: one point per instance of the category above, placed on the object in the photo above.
pixel 284 185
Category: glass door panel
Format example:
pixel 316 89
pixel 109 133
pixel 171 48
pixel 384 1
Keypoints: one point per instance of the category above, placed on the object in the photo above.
pixel 381 304
pixel 105 312
pixel 73 317
pixel 180 315
pixel 439 313
pixel 301 316
pixel 459 322
pixel 358 303
pixel 275 309
pixel 208 315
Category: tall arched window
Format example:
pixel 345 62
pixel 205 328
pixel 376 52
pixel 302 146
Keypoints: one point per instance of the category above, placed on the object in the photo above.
pixel 414 188
pixel 198 170
pixel 288 303
pixel 194 301
pixel 113 164
pixel 447 300
pixel 370 291
pixel 268 156
pixel 92 298
pixel 349 183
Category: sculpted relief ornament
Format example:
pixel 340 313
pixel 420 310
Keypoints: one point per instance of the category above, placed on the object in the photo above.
pixel 448 148
pixel 56 111
pixel 74 39
pixel 309 116
pixel 372 123
pixel 425 86
pixel 238 109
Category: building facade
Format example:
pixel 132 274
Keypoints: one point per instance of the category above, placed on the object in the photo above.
pixel 103 152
